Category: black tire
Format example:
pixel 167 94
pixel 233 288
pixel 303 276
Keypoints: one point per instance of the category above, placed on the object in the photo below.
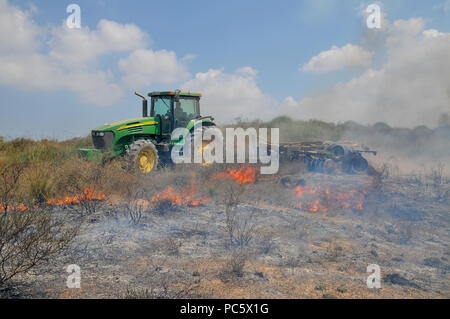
pixel 358 164
pixel 337 150
pixel 136 153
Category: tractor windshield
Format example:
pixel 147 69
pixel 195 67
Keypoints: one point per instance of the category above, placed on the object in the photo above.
pixel 186 109
pixel 189 106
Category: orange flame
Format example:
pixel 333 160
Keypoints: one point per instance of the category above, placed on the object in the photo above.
pixel 242 175
pixel 302 191
pixel 320 200
pixel 186 198
pixel 89 194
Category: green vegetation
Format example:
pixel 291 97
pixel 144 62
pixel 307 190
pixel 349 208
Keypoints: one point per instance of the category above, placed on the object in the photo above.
pixel 53 169
pixel 34 171
pixel 293 130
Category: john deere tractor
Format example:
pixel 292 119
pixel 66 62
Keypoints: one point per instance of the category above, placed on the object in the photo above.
pixel 146 141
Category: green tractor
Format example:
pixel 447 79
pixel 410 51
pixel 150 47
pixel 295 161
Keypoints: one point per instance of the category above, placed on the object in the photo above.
pixel 147 141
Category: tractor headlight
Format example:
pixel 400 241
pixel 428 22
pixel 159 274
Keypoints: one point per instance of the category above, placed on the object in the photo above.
pixel 101 134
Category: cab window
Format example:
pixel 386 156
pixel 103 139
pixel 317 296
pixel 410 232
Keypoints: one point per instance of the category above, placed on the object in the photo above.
pixel 189 106
pixel 161 106
pixel 185 109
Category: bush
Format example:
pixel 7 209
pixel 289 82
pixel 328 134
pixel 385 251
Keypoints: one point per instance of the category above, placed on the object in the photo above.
pixel 39 183
pixel 382 127
pixel 136 293
pixel 10 175
pixel 136 207
pixel 29 152
pixel 81 178
pixel 333 251
pixel 235 264
pixel 28 238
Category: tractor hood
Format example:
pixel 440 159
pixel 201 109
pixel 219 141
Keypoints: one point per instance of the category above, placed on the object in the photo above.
pixel 129 123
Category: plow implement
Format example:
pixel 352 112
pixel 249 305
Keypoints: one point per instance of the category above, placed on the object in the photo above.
pixel 327 157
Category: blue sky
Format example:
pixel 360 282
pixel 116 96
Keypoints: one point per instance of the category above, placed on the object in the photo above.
pixel 272 38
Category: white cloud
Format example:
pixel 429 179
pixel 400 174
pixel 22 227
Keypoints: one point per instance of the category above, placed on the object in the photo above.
pixel 38 72
pixel 145 67
pixel 96 87
pixel 30 71
pixel 290 102
pixel 75 47
pixel 411 88
pixel 337 58
pixel 247 71
pixel 188 57
pixel 73 54
pixel 18 32
pixel 228 96
pixel 404 30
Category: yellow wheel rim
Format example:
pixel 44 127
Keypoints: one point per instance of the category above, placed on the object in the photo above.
pixel 204 146
pixel 146 161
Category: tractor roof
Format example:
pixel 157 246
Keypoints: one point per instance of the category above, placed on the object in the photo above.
pixel 173 93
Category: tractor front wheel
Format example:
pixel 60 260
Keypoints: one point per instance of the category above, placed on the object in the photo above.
pixel 143 156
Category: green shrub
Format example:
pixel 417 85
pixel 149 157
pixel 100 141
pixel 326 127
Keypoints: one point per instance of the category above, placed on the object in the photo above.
pixel 38 183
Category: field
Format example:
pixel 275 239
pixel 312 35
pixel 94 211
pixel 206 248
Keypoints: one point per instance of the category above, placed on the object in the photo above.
pixel 223 231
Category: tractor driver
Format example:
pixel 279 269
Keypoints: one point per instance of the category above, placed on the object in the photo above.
pixel 180 116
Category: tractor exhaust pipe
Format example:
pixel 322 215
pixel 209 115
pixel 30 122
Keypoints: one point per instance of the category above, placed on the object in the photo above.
pixel 144 104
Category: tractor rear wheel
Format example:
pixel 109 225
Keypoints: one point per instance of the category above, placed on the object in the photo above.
pixel 143 156
pixel 203 145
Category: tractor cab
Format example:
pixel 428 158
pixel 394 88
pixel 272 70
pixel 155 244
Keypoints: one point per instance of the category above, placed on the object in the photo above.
pixel 174 109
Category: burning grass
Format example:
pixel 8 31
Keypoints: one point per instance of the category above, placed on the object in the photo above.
pixel 170 197
pixel 187 197
pixel 243 175
pixel 322 199
pixel 88 194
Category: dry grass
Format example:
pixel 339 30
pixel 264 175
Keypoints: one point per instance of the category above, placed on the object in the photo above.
pixel 163 289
